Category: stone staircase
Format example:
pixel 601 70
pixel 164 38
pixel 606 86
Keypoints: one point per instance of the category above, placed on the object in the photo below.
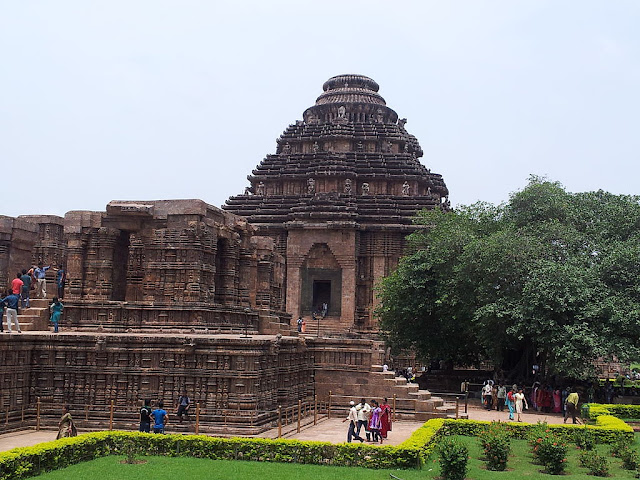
pixel 411 403
pixel 324 327
pixel 34 318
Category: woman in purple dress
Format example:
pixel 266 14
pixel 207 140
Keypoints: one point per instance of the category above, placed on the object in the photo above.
pixel 374 422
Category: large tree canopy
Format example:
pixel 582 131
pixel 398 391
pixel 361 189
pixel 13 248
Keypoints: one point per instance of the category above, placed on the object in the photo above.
pixel 551 278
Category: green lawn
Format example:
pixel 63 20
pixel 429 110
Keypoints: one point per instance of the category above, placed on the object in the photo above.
pixel 109 468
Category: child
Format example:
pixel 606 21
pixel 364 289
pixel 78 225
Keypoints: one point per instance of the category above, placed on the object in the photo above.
pixel 56 311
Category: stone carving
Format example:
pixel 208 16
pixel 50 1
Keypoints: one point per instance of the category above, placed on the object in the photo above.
pixel 360 147
pixel 311 186
pixel 365 188
pixel 248 191
pixel 341 111
pixel 347 185
pixel 402 122
pixel 260 188
pixel 286 149
pixel 316 147
pixel 405 188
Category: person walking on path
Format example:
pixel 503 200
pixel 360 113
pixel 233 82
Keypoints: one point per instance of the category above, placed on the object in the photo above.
pixel 501 394
pixel 572 406
pixel 521 403
pixel 41 281
pixel 352 418
pixel 511 402
pixel 56 312
pixel 374 422
pixel 66 427
pixel 363 409
pixel 160 418
pixel 385 418
pixel 11 301
pixel 145 417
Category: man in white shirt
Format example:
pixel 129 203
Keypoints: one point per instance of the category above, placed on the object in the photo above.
pixel 364 409
pixel 352 418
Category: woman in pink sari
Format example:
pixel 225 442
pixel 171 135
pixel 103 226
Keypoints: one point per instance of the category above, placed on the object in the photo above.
pixel 557 401
pixel 385 418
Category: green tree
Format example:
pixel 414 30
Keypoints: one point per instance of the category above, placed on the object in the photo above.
pixel 551 278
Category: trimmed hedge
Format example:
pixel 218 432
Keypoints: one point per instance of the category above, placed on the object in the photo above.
pixel 29 461
pixel 607 429
pixel 594 410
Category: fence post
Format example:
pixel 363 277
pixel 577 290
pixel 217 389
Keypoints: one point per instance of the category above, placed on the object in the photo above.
pixel 315 409
pixel 457 405
pixel 393 408
pixel 329 406
pixel 111 416
pixel 38 415
pixel 279 421
pixel 299 415
pixel 197 418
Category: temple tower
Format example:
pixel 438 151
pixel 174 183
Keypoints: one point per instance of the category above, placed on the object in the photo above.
pixel 338 197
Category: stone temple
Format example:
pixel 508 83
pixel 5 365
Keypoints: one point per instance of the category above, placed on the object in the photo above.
pixel 172 294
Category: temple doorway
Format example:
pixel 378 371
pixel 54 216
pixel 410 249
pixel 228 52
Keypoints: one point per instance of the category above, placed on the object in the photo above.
pixel 321 294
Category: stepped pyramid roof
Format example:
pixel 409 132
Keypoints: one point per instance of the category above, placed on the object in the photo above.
pixel 349 160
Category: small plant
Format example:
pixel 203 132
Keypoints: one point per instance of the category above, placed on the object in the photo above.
pixel 585 439
pixel 552 453
pixel 619 445
pixel 598 465
pixel 630 459
pixel 495 445
pixel 453 459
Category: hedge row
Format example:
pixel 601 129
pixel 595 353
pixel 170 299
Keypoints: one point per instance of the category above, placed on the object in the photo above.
pixel 606 430
pixel 28 461
pixel 594 410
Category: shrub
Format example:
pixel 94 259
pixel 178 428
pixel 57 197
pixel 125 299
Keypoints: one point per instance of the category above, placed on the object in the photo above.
pixel 495 444
pixel 453 459
pixel 585 440
pixel 552 453
pixel 619 446
pixel 630 459
pixel 596 464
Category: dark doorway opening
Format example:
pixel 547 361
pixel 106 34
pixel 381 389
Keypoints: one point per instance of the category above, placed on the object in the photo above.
pixel 321 294
pixel 120 266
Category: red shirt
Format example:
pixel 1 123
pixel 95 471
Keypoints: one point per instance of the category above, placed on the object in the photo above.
pixel 16 285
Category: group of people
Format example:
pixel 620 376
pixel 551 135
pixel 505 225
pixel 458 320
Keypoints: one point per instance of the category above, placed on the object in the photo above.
pixel 374 417
pixel 19 295
pixel 160 416
pixel 542 398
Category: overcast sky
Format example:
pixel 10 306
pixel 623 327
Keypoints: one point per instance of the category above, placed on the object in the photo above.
pixel 128 100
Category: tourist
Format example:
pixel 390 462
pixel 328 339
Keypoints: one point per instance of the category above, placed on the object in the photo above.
pixel 534 395
pixel 494 397
pixel 41 282
pixel 66 427
pixel 160 418
pixel 145 417
pixel 521 403
pixel 56 312
pixel 501 395
pixel 374 423
pixel 352 418
pixel 11 301
pixel 486 394
pixel 385 418
pixel 299 322
pixel 184 402
pixel 3 306
pixel 557 400
pixel 511 402
pixel 26 286
pixel 363 409
pixel 16 284
pixel 61 280
pixel 572 406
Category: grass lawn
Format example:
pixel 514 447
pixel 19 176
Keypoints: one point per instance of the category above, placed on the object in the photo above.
pixel 109 468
